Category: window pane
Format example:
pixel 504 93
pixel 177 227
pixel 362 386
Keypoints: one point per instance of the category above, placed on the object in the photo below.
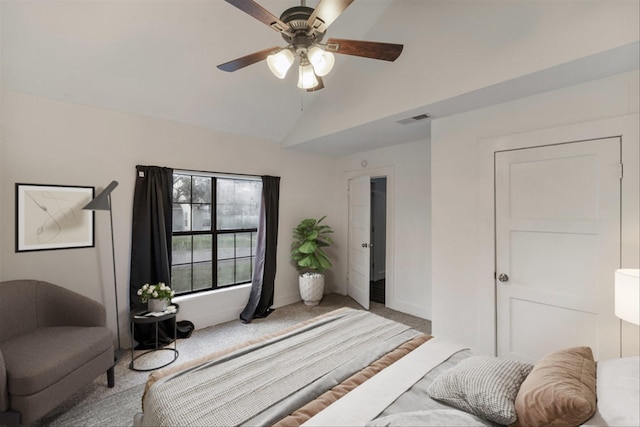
pixel 181 278
pixel 201 189
pixel 225 272
pixel 181 217
pixel 243 270
pixel 243 244
pixel 238 203
pixel 226 246
pixel 181 188
pixel 202 248
pixel 202 276
pixel 201 217
pixel 180 250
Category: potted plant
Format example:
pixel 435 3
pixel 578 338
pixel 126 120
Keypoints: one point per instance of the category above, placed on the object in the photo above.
pixel 158 297
pixel 309 239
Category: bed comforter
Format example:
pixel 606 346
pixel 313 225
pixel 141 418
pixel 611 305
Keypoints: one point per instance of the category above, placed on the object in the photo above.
pixel 351 367
pixel 265 381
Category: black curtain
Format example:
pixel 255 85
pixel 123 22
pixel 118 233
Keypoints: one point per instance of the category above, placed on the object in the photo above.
pixel 151 244
pixel 264 271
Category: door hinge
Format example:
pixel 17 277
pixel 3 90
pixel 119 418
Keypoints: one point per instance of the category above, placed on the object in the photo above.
pixel 620 169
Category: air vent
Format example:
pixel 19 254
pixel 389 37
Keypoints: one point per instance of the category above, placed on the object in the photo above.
pixel 412 119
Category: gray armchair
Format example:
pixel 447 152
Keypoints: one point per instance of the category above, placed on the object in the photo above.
pixel 52 342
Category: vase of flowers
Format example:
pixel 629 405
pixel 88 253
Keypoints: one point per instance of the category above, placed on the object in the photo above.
pixel 158 297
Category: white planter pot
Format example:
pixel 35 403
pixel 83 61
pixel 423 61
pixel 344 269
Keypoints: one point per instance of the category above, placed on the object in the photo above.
pixel 157 305
pixel 311 288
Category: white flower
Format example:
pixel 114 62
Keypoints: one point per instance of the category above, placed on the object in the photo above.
pixel 157 291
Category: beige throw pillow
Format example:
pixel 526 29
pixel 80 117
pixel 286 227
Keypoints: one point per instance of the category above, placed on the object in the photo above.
pixel 559 391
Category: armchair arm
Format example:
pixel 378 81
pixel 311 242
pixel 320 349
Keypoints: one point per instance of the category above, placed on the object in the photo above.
pixel 57 306
pixel 4 394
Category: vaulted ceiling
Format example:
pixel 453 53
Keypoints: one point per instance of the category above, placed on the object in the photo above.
pixel 158 58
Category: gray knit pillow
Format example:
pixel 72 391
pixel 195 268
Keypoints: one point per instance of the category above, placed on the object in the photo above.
pixel 482 385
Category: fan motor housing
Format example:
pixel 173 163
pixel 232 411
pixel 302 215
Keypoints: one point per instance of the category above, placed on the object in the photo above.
pixel 297 17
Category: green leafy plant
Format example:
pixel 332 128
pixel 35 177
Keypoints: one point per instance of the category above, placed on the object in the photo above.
pixel 309 239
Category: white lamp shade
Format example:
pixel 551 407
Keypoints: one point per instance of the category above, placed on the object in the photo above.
pixel 321 60
pixel 279 63
pixel 306 77
pixel 627 291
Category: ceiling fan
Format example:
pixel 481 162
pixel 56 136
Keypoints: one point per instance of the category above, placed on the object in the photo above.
pixel 303 28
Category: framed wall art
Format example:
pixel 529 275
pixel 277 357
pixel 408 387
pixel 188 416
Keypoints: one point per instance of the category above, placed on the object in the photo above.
pixel 51 217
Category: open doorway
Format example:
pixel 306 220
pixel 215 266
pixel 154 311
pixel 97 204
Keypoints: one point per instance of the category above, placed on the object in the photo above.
pixel 378 239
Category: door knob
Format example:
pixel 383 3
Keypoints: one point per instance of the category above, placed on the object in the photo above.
pixel 503 277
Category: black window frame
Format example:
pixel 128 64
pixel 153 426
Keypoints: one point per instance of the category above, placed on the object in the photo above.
pixel 213 232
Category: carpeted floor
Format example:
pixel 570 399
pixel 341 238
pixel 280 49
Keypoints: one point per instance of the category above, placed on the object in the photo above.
pixel 98 405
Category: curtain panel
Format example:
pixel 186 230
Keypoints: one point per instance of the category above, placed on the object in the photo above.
pixel 151 244
pixel 264 271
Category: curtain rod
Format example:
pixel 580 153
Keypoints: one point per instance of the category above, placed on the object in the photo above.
pixel 236 175
pixel 239 175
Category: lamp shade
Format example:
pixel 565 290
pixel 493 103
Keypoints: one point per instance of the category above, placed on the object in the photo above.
pixel 321 60
pixel 101 201
pixel 627 295
pixel 279 63
pixel 306 77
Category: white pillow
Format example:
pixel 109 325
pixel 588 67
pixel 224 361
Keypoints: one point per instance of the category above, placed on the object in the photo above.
pixel 618 391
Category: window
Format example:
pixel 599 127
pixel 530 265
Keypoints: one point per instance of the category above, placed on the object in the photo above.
pixel 215 222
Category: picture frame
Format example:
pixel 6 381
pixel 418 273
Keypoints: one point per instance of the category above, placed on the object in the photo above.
pixel 51 217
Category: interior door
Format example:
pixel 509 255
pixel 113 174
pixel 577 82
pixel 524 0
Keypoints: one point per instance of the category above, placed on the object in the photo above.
pixel 557 247
pixel 359 234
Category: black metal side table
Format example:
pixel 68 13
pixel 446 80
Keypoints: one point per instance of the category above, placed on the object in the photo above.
pixel 137 317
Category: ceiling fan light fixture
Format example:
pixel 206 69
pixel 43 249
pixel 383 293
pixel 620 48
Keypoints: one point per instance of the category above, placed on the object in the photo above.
pixel 321 60
pixel 280 62
pixel 306 76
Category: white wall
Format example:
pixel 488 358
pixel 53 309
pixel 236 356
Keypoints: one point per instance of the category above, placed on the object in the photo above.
pixel 463 305
pixel 51 142
pixel 458 46
pixel 408 221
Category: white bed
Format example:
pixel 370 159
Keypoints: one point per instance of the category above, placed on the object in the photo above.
pixel 351 367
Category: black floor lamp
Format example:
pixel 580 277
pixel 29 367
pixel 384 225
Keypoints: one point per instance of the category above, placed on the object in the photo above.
pixel 102 202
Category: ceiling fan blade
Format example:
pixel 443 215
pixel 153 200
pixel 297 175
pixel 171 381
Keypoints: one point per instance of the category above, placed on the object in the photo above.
pixel 366 49
pixel 317 87
pixel 246 60
pixel 252 8
pixel 326 12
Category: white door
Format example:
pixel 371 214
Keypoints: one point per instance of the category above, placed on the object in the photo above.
pixel 359 234
pixel 557 247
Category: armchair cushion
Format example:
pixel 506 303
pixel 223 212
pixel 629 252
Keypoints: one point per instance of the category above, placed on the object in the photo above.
pixel 39 359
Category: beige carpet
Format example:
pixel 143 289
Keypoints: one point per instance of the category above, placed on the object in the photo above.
pixel 98 405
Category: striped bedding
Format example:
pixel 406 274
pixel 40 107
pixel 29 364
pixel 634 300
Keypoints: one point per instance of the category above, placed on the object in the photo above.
pixel 283 379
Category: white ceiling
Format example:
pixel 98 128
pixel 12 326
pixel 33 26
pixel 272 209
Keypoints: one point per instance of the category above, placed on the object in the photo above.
pixel 158 58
